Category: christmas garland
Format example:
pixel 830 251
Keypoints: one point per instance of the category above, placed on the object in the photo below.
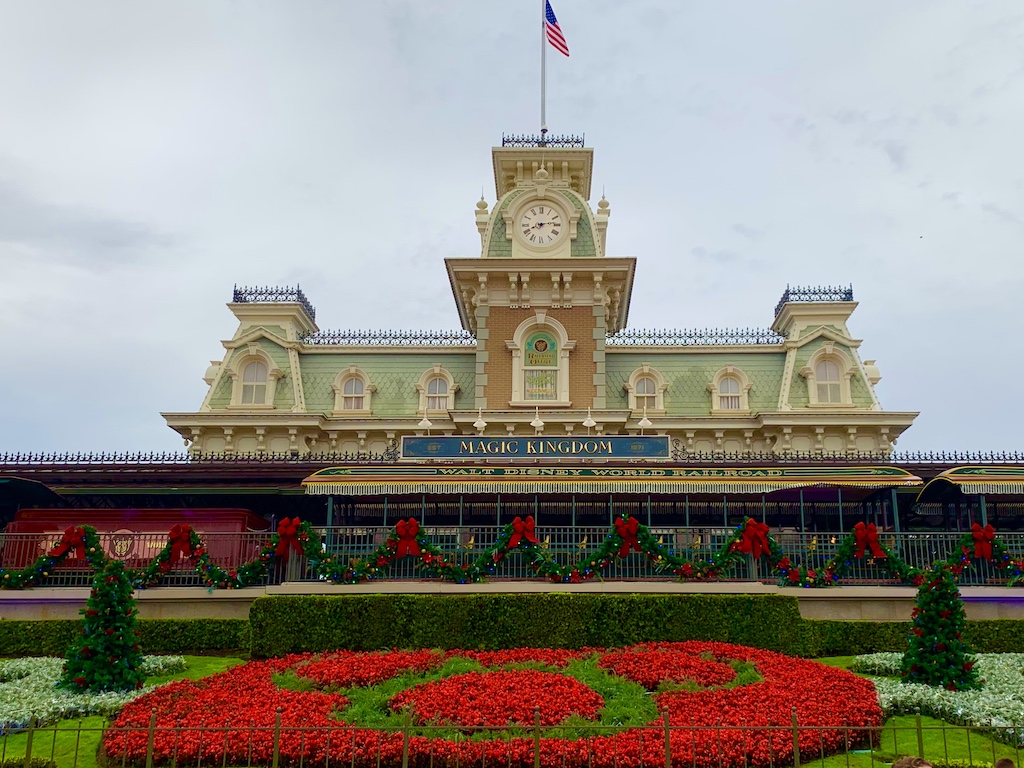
pixel 626 536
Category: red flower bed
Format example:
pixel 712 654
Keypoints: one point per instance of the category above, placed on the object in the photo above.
pixel 349 669
pixel 725 728
pixel 506 697
pixel 650 665
pixel 552 657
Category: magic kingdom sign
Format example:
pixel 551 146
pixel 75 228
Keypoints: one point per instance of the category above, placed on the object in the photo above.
pixel 532 448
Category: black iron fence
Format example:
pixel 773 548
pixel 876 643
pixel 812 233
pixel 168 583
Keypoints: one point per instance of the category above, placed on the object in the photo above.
pixel 660 743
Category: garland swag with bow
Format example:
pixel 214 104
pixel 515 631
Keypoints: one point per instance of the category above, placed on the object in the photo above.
pixel 626 536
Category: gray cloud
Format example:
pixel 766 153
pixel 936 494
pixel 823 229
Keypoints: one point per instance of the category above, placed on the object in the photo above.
pixel 72 234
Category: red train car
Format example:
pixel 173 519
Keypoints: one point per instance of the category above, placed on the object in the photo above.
pixel 134 536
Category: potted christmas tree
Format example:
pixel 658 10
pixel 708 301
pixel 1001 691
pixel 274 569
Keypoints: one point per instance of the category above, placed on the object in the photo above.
pixel 937 653
pixel 106 655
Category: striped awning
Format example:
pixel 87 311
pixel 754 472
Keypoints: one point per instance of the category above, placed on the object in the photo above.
pixel 975 481
pixel 400 479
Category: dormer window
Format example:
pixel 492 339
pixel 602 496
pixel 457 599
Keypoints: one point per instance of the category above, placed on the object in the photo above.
pixel 645 390
pixel 437 394
pixel 729 392
pixel 437 390
pixel 253 379
pixel 826 374
pixel 254 383
pixel 540 350
pixel 352 393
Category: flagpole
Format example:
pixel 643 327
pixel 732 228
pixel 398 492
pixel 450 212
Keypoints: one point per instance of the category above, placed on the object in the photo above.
pixel 543 72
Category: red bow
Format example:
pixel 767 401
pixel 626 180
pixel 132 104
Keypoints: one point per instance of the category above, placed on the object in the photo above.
pixel 627 532
pixel 522 530
pixel 867 536
pixel 181 540
pixel 407 544
pixel 288 537
pixel 755 539
pixel 72 541
pixel 983 538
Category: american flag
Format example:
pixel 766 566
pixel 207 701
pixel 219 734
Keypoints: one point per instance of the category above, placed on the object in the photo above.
pixel 555 36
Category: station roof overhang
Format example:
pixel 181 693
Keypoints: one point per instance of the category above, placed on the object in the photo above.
pixel 973 481
pixel 410 479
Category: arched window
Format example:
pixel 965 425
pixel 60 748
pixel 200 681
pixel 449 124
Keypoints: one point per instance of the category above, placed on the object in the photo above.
pixel 729 393
pixel 437 394
pixel 437 390
pixel 352 393
pixel 540 350
pixel 826 375
pixel 253 379
pixel 254 383
pixel 645 388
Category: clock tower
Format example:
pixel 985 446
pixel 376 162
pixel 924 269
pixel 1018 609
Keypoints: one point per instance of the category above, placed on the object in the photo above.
pixel 542 295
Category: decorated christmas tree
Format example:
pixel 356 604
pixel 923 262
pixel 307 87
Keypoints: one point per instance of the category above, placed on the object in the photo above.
pixel 106 656
pixel 937 654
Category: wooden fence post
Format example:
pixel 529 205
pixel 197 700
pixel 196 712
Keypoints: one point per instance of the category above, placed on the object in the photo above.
pixel 796 742
pixel 152 737
pixel 277 739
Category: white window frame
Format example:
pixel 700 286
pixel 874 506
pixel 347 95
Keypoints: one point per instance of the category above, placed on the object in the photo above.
pixel 253 354
pixel 540 322
pixel 352 373
pixel 436 372
pixel 714 387
pixel 645 371
pixel 829 353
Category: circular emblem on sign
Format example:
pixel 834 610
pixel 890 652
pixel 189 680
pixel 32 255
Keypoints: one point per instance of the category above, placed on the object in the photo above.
pixel 540 345
pixel 122 543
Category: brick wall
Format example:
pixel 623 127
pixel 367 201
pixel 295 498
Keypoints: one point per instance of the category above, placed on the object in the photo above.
pixel 502 324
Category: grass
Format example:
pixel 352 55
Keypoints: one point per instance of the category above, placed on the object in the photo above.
pixel 75 743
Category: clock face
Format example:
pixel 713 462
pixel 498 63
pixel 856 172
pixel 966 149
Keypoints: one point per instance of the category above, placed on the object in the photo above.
pixel 541 225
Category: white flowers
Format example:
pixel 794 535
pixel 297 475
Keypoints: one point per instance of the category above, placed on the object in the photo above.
pixel 997 708
pixel 28 689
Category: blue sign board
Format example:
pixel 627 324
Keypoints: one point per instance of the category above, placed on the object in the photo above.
pixel 530 448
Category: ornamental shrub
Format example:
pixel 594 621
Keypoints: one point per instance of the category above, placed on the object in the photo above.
pixel 937 654
pixel 106 656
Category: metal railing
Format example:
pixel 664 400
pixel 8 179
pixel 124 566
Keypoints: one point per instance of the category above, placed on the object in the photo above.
pixel 668 337
pixel 814 293
pixel 271 295
pixel 659 743
pixel 465 544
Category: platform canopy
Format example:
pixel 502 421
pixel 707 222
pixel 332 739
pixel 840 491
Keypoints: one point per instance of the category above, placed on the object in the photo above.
pixel 988 480
pixel 399 479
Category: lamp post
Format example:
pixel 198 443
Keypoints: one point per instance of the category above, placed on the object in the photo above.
pixel 426 424
pixel 589 423
pixel 480 424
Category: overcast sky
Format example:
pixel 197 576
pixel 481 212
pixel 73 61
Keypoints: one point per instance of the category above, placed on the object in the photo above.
pixel 154 154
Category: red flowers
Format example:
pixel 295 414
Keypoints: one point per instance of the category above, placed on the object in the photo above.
pixel 505 697
pixel 652 664
pixel 347 669
pixel 230 717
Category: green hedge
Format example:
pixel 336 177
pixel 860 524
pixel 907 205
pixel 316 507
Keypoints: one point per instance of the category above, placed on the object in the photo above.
pixel 295 623
pixel 52 638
